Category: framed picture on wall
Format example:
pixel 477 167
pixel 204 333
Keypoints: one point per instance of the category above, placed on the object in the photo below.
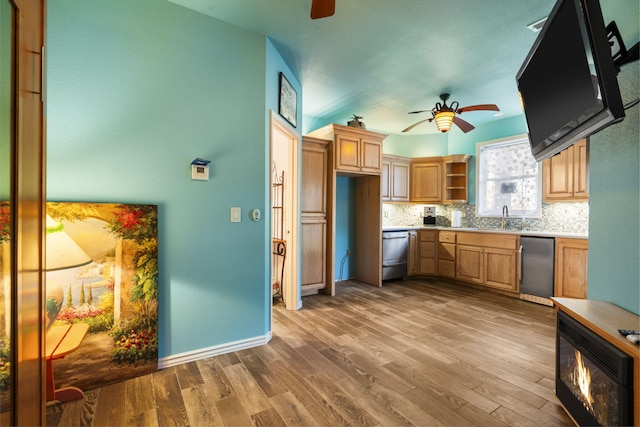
pixel 287 104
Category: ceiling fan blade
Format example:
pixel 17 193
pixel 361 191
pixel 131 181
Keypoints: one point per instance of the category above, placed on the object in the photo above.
pixel 419 111
pixel 463 125
pixel 416 124
pixel 489 107
pixel 322 8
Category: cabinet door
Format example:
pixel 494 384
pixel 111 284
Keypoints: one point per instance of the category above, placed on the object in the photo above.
pixel 571 268
pixel 371 155
pixel 501 268
pixel 580 170
pixel 412 267
pixel 385 180
pixel 313 238
pixel 347 153
pixel 314 180
pixel 426 182
pixel 427 252
pixel 447 259
pixel 470 263
pixel 558 176
pixel 399 182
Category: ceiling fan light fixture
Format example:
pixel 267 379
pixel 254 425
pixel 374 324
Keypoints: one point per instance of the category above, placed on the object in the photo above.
pixel 444 119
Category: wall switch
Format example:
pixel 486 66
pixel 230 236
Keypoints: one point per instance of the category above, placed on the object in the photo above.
pixel 235 214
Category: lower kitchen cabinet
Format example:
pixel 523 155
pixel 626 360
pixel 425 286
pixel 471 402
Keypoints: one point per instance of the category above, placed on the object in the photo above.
pixel 571 268
pixel 501 268
pixel 447 254
pixel 427 251
pixel 488 259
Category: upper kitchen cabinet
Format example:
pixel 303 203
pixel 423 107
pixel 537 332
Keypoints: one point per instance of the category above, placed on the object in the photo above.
pixel 426 179
pixel 355 150
pixel 566 174
pixel 456 179
pixel 395 179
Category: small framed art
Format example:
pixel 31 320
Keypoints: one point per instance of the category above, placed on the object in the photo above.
pixel 287 104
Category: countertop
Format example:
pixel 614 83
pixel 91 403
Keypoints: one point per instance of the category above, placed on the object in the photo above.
pixel 492 230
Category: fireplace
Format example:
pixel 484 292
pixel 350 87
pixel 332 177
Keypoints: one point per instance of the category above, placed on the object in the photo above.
pixel 594 379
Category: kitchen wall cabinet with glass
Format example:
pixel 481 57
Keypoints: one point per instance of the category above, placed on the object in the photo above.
pixel 566 174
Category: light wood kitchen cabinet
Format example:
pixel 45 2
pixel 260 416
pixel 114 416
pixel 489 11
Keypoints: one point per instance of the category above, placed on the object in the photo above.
pixel 395 179
pixel 355 150
pixel 565 175
pixel 488 259
pixel 456 178
pixel 313 236
pixel 427 251
pixel 412 262
pixel 426 179
pixel 355 153
pixel 571 268
pixel 447 254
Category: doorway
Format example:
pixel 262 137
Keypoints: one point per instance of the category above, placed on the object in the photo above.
pixel 285 144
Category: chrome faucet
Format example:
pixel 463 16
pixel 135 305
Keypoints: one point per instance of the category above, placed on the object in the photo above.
pixel 505 215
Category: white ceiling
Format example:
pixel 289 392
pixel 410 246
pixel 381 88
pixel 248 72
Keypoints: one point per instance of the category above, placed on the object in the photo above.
pixel 381 59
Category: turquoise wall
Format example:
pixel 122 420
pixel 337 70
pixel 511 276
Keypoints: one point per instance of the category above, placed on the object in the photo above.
pixel 345 225
pixel 136 91
pixel 614 205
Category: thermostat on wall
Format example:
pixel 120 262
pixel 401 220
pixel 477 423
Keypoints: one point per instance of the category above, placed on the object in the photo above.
pixel 200 169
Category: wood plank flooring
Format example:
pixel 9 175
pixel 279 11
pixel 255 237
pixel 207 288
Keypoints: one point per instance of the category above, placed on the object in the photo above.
pixel 412 353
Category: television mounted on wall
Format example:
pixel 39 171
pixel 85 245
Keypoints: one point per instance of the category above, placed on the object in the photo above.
pixel 568 81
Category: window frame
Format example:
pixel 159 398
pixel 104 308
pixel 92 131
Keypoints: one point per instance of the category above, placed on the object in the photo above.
pixel 511 140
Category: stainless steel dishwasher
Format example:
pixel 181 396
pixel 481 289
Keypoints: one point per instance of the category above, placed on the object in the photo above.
pixel 537 266
pixel 395 247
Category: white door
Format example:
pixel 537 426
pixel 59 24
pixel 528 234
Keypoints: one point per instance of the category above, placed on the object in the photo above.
pixel 285 143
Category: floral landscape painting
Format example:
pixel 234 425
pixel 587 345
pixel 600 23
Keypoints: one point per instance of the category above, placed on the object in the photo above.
pixel 102 270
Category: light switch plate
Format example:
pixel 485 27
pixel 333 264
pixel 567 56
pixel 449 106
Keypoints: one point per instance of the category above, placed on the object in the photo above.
pixel 235 214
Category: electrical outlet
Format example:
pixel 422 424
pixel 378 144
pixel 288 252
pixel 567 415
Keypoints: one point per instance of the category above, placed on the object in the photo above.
pixel 348 252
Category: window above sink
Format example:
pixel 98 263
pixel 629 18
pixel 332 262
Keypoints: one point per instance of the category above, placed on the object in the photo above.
pixel 508 175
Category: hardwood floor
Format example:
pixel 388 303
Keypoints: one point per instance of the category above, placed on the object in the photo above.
pixel 421 353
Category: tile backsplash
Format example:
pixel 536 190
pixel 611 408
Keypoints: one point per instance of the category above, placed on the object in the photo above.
pixel 556 217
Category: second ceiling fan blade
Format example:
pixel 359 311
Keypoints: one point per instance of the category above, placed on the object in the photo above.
pixel 463 124
pixel 322 8
pixel 416 124
pixel 486 107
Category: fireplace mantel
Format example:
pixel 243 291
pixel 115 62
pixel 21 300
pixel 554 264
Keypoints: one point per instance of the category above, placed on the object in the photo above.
pixel 605 319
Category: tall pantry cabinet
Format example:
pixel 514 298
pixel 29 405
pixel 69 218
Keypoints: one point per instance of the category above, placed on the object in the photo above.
pixel 355 153
pixel 313 234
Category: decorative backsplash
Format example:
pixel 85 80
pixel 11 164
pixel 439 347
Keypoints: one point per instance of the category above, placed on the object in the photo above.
pixel 556 217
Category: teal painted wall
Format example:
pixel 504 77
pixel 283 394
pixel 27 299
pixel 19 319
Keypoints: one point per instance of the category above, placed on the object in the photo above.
pixel 614 205
pixel 345 225
pixel 136 91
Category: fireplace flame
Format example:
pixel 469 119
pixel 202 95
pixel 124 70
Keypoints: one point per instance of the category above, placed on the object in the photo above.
pixel 583 379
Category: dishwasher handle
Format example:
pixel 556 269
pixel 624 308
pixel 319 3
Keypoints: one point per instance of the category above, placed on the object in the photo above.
pixel 520 264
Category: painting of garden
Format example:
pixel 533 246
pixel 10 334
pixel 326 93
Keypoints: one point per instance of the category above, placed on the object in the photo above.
pixel 102 270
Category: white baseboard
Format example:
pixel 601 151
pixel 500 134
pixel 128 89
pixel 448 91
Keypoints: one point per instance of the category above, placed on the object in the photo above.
pixel 190 356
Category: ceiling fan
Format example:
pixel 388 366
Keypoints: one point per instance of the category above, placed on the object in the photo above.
pixel 322 8
pixel 445 115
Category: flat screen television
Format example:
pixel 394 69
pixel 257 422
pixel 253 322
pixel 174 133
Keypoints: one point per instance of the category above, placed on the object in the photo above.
pixel 568 81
